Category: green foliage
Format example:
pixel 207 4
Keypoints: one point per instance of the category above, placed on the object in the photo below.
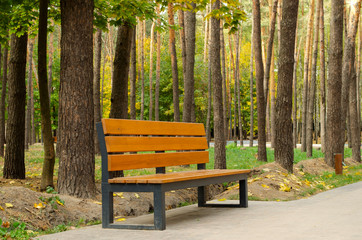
pixel 15 230
pixel 54 201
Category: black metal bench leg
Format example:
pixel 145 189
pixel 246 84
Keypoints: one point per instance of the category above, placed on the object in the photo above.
pixel 243 193
pixel 107 207
pixel 159 207
pixel 201 196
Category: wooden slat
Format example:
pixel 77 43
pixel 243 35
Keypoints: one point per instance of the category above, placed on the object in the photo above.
pixel 138 127
pixel 139 144
pixel 176 177
pixel 137 161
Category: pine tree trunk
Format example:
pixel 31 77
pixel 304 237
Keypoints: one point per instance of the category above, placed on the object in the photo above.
pixel 2 101
pixel 312 87
pixel 220 154
pixel 259 68
pixel 272 109
pixel 251 138
pixel 181 21
pixel 295 93
pixel 150 106
pixel 223 67
pixel 50 63
pixel 96 85
pixel 209 99
pixel 133 75
pixel 143 30
pixel 190 35
pixel 322 79
pixel 334 84
pixel 305 78
pixel 206 38
pixel 284 152
pixel 175 84
pixel 76 115
pixel 29 90
pixel 233 67
pixel 237 86
pixel 14 166
pixel 158 70
pixel 46 124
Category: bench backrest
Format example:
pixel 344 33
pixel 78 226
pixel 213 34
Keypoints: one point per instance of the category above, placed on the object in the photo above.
pixel 124 139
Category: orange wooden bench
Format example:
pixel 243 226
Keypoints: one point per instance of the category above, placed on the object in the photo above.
pixel 123 144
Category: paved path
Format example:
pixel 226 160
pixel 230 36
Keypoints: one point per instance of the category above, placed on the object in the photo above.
pixel 332 215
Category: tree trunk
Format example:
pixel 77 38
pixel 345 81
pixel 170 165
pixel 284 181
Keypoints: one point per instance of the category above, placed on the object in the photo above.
pixel 295 93
pixel 284 151
pixel 305 78
pixel 348 61
pixel 2 101
pixel 181 21
pixel 209 98
pixel 220 154
pixel 46 124
pixel 143 32
pixel 334 83
pixel 28 137
pixel 237 85
pixel 206 38
pixel 233 67
pixel 119 99
pixel 272 109
pixel 259 81
pixel 322 79
pixel 150 106
pixel 14 166
pixel 133 75
pixel 76 118
pixel 190 35
pixel 50 63
pixel 223 66
pixel 158 70
pixel 175 84
pixel 251 138
pixel 312 87
pixel 96 85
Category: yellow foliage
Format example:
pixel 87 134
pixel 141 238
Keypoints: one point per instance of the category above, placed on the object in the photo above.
pixel 39 205
pixel 284 188
pixel 9 205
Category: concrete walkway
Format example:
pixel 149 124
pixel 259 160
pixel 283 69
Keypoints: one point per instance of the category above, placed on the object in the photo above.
pixel 332 215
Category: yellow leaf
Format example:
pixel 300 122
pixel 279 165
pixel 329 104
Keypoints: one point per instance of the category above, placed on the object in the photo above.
pixel 9 205
pixel 12 182
pixel 39 206
pixel 170 170
pixel 358 173
pixel 120 220
pixel 222 199
pixel 285 174
pixel 284 188
pixel 96 202
pixel 265 186
pixel 286 181
pixel 269 176
pixel 301 173
pixel 173 191
pixel 59 202
pixel 1 208
pixel 120 194
pixel 254 180
pixel 136 195
pixel 306 182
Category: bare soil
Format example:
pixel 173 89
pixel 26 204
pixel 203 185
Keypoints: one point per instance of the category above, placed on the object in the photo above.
pixel 20 199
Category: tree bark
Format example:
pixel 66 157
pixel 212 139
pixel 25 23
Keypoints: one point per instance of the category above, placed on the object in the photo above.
pixel 259 82
pixel 158 70
pixel 237 85
pixel 119 99
pixel 220 154
pixel 175 84
pixel 2 101
pixel 251 138
pixel 181 21
pixel 190 35
pixel 322 79
pixel 305 78
pixel 334 83
pixel 28 137
pixel 295 93
pixel 14 166
pixel 46 124
pixel 76 118
pixel 284 151
pixel 96 85
pixel 143 30
pixel 223 67
pixel 312 88
pixel 50 63
pixel 133 75
pixel 150 106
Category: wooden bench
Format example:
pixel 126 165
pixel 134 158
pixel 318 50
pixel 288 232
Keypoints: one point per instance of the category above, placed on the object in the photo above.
pixel 166 144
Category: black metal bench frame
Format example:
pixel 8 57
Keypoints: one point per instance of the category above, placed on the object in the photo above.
pixel 159 191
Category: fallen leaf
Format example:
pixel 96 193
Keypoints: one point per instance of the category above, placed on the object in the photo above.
pixel 269 176
pixel 120 194
pixel 5 225
pixel 301 173
pixel 266 169
pixel 120 220
pixel 286 181
pixel 9 205
pixel 96 202
pixel 254 180
pixel 284 188
pixel 1 208
pixel 39 206
pixel 136 195
pixel 59 202
pixel 222 199
pixel 173 191
pixel 12 182
pixel 307 182
pixel 265 186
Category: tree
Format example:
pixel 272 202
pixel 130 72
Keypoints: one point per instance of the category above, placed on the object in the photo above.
pixel 220 154
pixel 259 68
pixel 158 70
pixel 322 79
pixel 28 137
pixel 2 101
pixel 150 106
pixel 334 83
pixel 284 150
pixel 133 75
pixel 46 124
pixel 14 166
pixel 251 138
pixel 76 115
pixel 96 85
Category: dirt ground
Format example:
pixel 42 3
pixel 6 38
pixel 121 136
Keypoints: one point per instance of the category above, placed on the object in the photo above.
pixel 21 200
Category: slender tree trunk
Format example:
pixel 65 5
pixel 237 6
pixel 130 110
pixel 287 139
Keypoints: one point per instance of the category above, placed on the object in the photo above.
pixel 46 124
pixel 223 67
pixel 334 84
pixel 237 86
pixel 150 112
pixel 348 61
pixel 259 81
pixel 29 90
pixel 322 79
pixel 143 30
pixel 119 99
pixel 312 88
pixel 2 101
pixel 295 92
pixel 220 154
pixel 190 34
pixel 272 107
pixel 251 138
pixel 96 85
pixel 158 70
pixel 50 63
pixel 133 75
pixel 235 97
pixel 284 152
pixel 76 118
pixel 305 78
pixel 14 166
pixel 172 46
pixel 209 99
pixel 206 39
pixel 181 21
